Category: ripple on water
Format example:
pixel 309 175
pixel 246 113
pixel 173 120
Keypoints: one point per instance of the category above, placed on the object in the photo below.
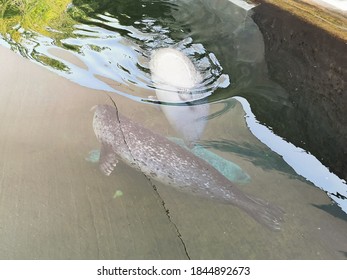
pixel 113 48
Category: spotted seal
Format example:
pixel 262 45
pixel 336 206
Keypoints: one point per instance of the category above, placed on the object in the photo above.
pixel 165 161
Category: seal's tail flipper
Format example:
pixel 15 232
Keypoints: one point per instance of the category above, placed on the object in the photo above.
pixel 263 212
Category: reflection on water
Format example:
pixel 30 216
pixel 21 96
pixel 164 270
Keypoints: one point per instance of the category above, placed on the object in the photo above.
pixel 334 211
pixel 308 64
pixel 107 45
pixel 339 4
pixel 302 162
pixel 113 40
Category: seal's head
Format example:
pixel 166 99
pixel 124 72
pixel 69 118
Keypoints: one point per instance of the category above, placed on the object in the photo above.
pixel 106 123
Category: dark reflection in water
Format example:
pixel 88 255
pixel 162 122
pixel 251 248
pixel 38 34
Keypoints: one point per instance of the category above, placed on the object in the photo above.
pixel 240 48
pixel 333 210
pixel 290 72
pixel 311 65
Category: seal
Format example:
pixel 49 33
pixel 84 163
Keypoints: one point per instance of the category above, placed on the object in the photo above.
pixel 165 161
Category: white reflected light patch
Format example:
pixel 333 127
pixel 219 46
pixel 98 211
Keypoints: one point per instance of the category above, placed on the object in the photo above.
pixel 304 163
pixel 338 4
pixel 243 4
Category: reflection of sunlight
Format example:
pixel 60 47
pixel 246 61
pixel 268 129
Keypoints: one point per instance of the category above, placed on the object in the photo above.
pixel 243 4
pixel 108 49
pixel 106 54
pixel 339 4
pixel 301 161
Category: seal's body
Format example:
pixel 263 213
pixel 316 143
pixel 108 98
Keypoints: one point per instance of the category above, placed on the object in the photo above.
pixel 160 159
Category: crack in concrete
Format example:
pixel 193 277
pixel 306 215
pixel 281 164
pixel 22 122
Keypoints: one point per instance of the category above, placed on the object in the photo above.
pixel 167 212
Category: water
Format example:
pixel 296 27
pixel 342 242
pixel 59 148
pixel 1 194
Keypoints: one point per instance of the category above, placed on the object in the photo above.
pixel 106 46
pixel 111 47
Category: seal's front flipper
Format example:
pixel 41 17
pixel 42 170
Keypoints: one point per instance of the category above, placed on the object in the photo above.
pixel 108 159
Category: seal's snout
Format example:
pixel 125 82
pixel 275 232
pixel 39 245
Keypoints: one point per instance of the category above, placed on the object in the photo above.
pixel 93 108
pixel 101 110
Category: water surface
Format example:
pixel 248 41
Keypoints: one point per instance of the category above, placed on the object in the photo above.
pixel 106 46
